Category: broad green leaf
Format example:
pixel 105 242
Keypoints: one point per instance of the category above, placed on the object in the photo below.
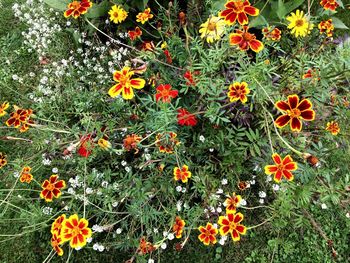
pixel 291 5
pixel 140 4
pixel 338 23
pixel 99 10
pixel 58 4
pixel 281 9
pixel 219 5
pixel 258 21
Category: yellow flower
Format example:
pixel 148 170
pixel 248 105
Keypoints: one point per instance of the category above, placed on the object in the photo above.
pixel 117 14
pixel 144 16
pixel 164 45
pixel 104 144
pixel 212 29
pixel 299 24
pixel 333 127
pixel 3 107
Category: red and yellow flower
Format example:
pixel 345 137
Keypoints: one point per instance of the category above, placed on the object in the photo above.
pixel 232 202
pixel 178 227
pixel 77 8
pixel 238 10
pixel 20 118
pixel 86 145
pixel 329 4
pixel 165 93
pixel 145 247
pixel 333 127
pixel 133 34
pixel 76 231
pixel 294 111
pixel 3 160
pixel 144 16
pixel 130 142
pixel 56 241
pixel 52 188
pixel 281 168
pixel 3 108
pixel 208 234
pixel 25 175
pixel 272 34
pixel 326 27
pixel 238 91
pixel 167 142
pixel 231 224
pixel 185 118
pixel 182 174
pixel 189 78
pixel 311 74
pixel 125 84
pixel 117 14
pixel 246 40
pixel 56 225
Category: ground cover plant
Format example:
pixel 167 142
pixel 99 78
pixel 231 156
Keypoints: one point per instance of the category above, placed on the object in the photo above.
pixel 179 131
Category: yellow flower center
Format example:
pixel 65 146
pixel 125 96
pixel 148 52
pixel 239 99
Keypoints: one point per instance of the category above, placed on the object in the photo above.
pixel 211 26
pixel 294 113
pixel 75 231
pixel 50 187
pixel 75 5
pixel 299 22
pixel 232 225
pixel 280 167
pixel 238 6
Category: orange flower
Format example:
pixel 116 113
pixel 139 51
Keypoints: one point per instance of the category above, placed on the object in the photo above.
pixel 232 202
pixel 135 33
pixel 25 175
pixel 178 226
pixel 246 40
pixel 3 107
pixel 185 118
pixel 182 174
pixel 3 160
pixel 165 93
pixel 51 188
pixel 189 77
pixel 326 27
pixel 238 91
pixel 76 231
pixel 131 141
pixel 333 127
pixel 231 224
pixel 294 111
pixel 144 16
pixel 56 226
pixel 272 34
pixel 56 240
pixel 167 142
pixel 145 247
pixel 281 168
pixel 208 234
pixel 148 46
pixel 77 8
pixel 125 84
pixel 311 74
pixel 20 119
pixel 238 10
pixel 329 4
pixel 167 54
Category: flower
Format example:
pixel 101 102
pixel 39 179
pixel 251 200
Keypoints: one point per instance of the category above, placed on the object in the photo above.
pixel 294 111
pixel 131 141
pixel 25 175
pixel 165 93
pixel 189 77
pixel 86 145
pixel 329 4
pixel 148 46
pixel 178 226
pixel 77 8
pixel 166 142
pixel 3 160
pixel 311 74
pixel 185 118
pixel 76 231
pixel 125 84
pixel 282 168
pixel 333 127
pixel 3 107
pixel 145 247
pixel 232 202
pixel 238 10
pixel 56 225
pixel 133 34
pixel 144 16
pixel 231 224
pixel 51 188
pixel 246 40
pixel 56 240
pixel 238 91
pixel 104 144
pixel 272 34
pixel 117 14
pixel 182 173
pixel 20 119
pixel 167 54
pixel 208 234
pixel 326 27
pixel 212 29
pixel 299 24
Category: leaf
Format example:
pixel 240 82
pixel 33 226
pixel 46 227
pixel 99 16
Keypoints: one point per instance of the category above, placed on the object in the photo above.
pixel 140 4
pixel 338 23
pixel 99 10
pixel 219 5
pixel 258 21
pixel 58 4
pixel 281 9
pixel 291 5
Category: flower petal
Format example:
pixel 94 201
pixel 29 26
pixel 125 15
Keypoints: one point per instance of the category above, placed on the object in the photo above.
pixel 308 115
pixel 293 101
pixel 305 104
pixel 282 121
pixel 296 124
pixel 282 105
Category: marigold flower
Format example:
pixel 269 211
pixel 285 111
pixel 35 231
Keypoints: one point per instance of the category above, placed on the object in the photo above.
pixel 3 160
pixel 131 141
pixel 212 29
pixel 231 224
pixel 329 4
pixel 76 231
pixel 281 168
pixel 77 8
pixel 165 93
pixel 294 111
pixel 117 14
pixel 56 225
pixel 148 46
pixel 167 142
pixel 232 202
pixel 133 34
pixel 25 175
pixel 144 16
pixel 185 118
pixel 182 174
pixel 272 34
pixel 56 240
pixel 20 119
pixel 238 91
pixel 182 18
pixel 246 40
pixel 125 84
pixel 333 127
pixel 86 145
pixel 52 188
pixel 242 185
pixel 238 10
pixel 3 107
pixel 167 54
pixel 189 77
pixel 326 27
pixel 178 226
pixel 208 234
pixel 145 247
pixel 104 144
pixel 299 24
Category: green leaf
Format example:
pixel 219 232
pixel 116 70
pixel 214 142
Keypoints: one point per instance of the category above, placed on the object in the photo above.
pixel 281 9
pixel 140 4
pixel 99 10
pixel 291 5
pixel 258 21
pixel 338 23
pixel 58 4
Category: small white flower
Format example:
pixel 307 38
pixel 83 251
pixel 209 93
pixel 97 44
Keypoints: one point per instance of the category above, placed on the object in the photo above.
pixel 15 77
pixel 211 150
pixel 178 205
pixel 104 184
pixel 219 191
pixel 46 162
pixel 115 204
pixel 170 236
pixel 323 206
pixel 16 174
pixel 124 163
pixel 224 181
pixel 150 260
pixel 101 248
pixel 347 214
pixel 268 178
pixel 202 138
pixel 47 210
pixel 261 201
pixel 163 245
pixel 262 194
pixel 127 169
pixel 183 190
pixel 243 202
pixel 77 248
pixel 118 231
pixel 165 233
pixel 89 239
pixel 275 187
pixel 95 246
pixel 252 182
pixel 97 228
pixel 186 206
pixel 155 230
pixel 219 209
pixel 89 191
pixel 178 188
pixel 212 209
pixel 222 240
